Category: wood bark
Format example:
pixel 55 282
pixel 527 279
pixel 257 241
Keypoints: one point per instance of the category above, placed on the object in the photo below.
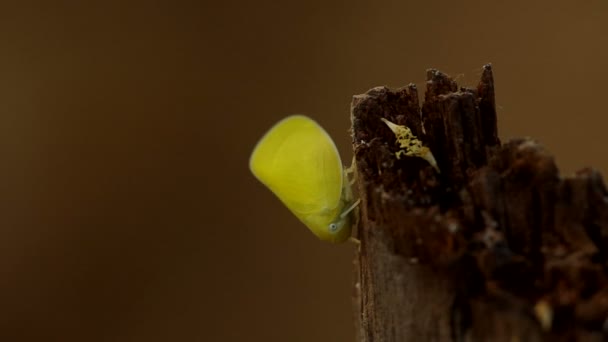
pixel 498 246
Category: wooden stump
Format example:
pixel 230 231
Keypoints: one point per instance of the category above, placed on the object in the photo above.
pixel 496 247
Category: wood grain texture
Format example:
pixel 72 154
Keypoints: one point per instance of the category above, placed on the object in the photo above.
pixel 498 246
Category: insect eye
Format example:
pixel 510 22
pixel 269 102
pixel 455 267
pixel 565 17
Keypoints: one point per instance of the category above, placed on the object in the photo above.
pixel 333 227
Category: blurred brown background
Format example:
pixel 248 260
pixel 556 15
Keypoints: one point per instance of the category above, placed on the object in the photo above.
pixel 128 211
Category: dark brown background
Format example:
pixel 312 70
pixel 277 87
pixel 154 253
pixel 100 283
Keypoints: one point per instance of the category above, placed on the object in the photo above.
pixel 128 211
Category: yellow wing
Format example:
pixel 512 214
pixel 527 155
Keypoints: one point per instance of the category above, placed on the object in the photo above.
pixel 299 163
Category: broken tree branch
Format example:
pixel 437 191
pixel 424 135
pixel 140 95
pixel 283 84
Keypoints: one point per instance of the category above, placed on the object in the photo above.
pixel 496 247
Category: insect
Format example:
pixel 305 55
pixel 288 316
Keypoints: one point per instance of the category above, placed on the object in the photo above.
pixel 409 144
pixel 299 162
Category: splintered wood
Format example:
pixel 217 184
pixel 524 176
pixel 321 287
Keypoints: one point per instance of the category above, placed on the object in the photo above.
pixel 496 247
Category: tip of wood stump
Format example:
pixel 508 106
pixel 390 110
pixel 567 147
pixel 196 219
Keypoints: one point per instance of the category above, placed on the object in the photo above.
pixel 500 217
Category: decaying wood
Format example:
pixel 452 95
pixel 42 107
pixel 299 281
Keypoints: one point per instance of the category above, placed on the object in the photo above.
pixel 496 247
